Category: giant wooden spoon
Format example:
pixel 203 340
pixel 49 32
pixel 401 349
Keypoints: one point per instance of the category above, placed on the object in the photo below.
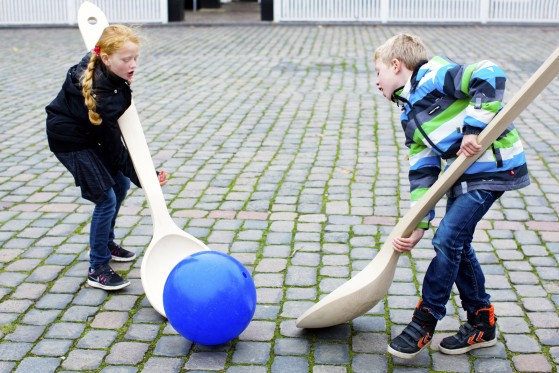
pixel 169 244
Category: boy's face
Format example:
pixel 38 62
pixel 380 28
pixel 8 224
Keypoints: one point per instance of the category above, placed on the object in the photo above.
pixel 389 77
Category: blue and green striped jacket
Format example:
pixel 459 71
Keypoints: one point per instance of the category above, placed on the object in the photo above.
pixel 443 101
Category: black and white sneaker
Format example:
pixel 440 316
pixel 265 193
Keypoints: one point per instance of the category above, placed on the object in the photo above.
pixel 119 254
pixel 104 277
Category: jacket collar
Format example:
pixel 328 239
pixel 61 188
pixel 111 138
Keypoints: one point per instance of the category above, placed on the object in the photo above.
pixel 401 95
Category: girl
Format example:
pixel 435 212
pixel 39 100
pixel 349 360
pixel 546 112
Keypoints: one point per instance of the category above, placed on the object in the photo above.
pixel 84 135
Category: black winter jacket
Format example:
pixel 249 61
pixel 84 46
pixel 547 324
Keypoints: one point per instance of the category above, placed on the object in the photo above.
pixel 68 125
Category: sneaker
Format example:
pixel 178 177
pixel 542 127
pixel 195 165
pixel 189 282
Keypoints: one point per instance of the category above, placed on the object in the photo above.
pixel 106 278
pixel 119 254
pixel 478 332
pixel 416 336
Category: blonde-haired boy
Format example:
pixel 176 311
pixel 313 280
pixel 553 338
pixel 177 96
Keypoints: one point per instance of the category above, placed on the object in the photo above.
pixel 445 105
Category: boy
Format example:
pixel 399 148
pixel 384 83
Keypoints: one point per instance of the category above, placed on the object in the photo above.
pixel 445 106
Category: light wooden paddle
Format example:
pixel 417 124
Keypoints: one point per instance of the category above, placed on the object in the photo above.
pixel 368 287
pixel 169 244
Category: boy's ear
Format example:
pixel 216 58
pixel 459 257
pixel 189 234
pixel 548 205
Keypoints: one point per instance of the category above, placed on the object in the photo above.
pixel 396 64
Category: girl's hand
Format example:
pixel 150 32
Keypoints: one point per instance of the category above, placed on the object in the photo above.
pixel 402 245
pixel 469 146
pixel 162 176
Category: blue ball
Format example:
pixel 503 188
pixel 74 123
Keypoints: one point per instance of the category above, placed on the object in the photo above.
pixel 209 298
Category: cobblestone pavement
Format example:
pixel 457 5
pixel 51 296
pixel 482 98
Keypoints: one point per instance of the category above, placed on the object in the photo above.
pixel 283 155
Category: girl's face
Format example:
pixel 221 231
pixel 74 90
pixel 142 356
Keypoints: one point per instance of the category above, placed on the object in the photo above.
pixel 388 77
pixel 123 62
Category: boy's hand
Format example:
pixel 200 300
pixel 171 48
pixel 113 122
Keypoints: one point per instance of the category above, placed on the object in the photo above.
pixel 402 245
pixel 162 176
pixel 469 146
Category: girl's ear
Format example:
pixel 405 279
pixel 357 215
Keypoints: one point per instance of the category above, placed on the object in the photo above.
pixel 105 60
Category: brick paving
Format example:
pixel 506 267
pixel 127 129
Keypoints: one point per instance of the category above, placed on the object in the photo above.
pixel 281 154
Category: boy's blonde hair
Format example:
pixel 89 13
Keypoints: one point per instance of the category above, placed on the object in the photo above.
pixel 111 40
pixel 406 48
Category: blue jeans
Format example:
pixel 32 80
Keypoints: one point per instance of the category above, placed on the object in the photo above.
pixel 103 221
pixel 455 260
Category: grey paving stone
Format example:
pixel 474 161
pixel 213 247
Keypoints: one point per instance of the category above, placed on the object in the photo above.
pixel 369 324
pixel 544 319
pixel 63 330
pixel 521 343
pixel 512 325
pixel 492 365
pixel 52 347
pixel 291 346
pixel 363 362
pixel 68 284
pixel 79 313
pixel 497 351
pixel 14 351
pixel 90 297
pixel 259 331
pixel 172 346
pixel 329 369
pixel 300 276
pixel 119 369
pixel 531 363
pixel 7 367
pixel 246 369
pixel 251 353
pixel 147 315
pixel 29 291
pixel 548 337
pixel 25 333
pixel 110 320
pixel 12 279
pixel 331 354
pixel 369 343
pixel 291 364
pixel 54 301
pixel 120 302
pixel 163 365
pixel 126 353
pixel 94 339
pixel 45 273
pixel 268 295
pixel 40 317
pixel 142 332
pixel 206 361
pixel 38 364
pixel 442 362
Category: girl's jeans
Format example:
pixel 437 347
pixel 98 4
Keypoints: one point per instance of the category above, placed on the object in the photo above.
pixel 103 221
pixel 455 260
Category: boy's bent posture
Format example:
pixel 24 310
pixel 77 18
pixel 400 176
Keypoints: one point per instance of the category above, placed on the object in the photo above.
pixel 445 106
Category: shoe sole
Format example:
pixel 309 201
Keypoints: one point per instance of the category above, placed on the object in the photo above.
pixel 105 287
pixel 121 259
pixel 403 355
pixel 463 350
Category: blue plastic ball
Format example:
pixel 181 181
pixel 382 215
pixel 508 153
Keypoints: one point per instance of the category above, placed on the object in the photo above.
pixel 209 298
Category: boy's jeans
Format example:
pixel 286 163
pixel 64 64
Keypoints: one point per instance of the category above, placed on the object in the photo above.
pixel 455 260
pixel 103 221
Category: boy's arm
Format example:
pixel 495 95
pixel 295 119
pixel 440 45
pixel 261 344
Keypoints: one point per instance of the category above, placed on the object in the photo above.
pixel 425 168
pixel 484 83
